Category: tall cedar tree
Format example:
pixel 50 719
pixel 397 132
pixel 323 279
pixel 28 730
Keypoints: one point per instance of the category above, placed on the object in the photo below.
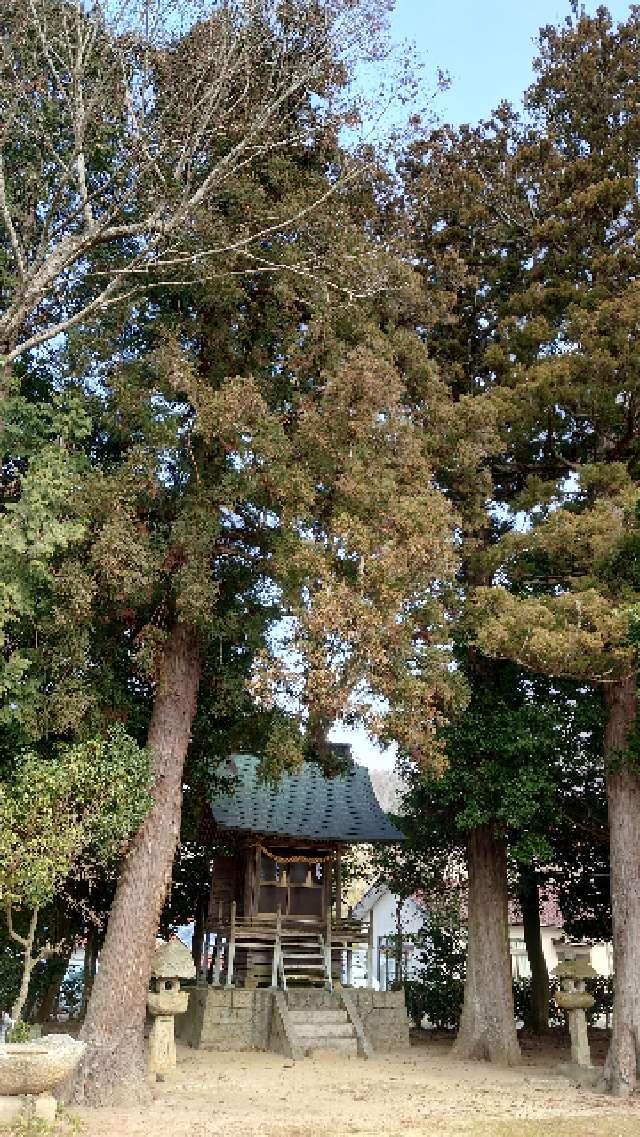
pixel 463 206
pixel 559 590
pixel 235 449
pixel 541 219
pixel 524 758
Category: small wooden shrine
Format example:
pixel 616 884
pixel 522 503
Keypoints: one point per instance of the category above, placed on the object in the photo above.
pixel 275 914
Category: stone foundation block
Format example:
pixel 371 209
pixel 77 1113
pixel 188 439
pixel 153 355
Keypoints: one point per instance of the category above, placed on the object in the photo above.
pixel 365 998
pixel 227 1040
pixel 381 999
pixel 242 998
pixel 45 1107
pixel 218 995
pixel 11 1110
pixel 22 1109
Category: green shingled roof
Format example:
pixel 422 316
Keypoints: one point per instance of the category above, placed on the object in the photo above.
pixel 304 803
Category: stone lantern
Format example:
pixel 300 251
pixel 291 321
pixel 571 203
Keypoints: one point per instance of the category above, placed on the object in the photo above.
pixel 575 1000
pixel 172 963
pixel 572 949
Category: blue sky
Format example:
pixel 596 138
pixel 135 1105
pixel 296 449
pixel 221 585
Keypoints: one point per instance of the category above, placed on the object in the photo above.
pixel 487 46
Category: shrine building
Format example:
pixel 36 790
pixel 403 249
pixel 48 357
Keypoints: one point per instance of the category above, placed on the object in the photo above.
pixel 277 959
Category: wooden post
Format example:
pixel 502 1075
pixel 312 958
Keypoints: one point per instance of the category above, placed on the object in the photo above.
pixel 370 951
pixel 349 964
pixel 327 949
pixel 339 897
pixel 218 963
pixel 232 945
pixel 276 948
pixel 257 876
pixel 204 960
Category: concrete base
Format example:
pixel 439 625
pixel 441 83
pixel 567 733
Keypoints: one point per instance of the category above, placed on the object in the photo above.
pixel 25 1107
pixel 229 1018
pixel 590 1076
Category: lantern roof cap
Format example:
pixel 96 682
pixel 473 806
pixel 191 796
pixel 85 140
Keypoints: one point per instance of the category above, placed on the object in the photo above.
pixel 173 960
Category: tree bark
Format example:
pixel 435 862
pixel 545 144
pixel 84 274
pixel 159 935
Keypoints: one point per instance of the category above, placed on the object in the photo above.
pixel 529 898
pixel 113 1070
pixel 56 969
pixel 29 960
pixel 89 967
pixel 488 1025
pixel 623 789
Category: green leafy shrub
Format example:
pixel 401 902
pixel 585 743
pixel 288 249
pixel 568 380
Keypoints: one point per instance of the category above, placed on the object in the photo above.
pixel 438 994
pixel 601 987
pixel 21 1032
pixel 64 813
pixel 522 1002
pixel 440 1001
pixel 437 991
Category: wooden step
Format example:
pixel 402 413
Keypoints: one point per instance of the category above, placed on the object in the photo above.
pixel 317 974
pixel 304 969
pixel 303 957
pixel 305 980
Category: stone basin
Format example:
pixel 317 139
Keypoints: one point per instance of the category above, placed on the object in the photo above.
pixel 38 1067
pixel 167 1002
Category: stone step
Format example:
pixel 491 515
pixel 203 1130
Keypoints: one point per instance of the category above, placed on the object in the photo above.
pixel 321 1015
pixel 323 1031
pixel 346 1046
pixel 313 1001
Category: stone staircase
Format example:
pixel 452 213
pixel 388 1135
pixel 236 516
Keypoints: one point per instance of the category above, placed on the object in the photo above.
pixel 323 1028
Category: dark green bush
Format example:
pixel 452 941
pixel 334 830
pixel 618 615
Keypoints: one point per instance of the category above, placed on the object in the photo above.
pixel 437 990
pixel 522 1002
pixel 440 1001
pixel 439 996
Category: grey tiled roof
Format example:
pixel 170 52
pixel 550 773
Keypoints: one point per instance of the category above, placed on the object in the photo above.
pixel 304 803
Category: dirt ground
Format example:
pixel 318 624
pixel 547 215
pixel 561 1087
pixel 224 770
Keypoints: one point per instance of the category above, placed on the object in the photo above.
pixel 424 1093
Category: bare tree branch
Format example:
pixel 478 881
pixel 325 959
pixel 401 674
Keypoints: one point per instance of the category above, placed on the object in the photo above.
pixel 132 127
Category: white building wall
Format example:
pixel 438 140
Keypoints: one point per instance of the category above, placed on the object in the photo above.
pixel 413 919
pixel 601 953
pixel 385 926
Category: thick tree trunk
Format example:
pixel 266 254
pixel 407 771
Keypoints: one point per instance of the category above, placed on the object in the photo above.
pixel 488 1026
pixel 56 971
pixel 623 788
pixel 89 967
pixel 529 898
pixel 113 1070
